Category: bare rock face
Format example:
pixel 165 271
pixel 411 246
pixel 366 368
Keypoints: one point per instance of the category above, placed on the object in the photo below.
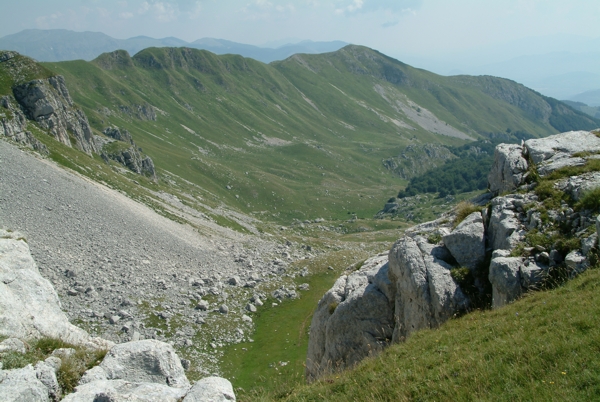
pixel 145 361
pixel 215 389
pixel 29 305
pixel 47 101
pixel 121 148
pixel 354 319
pixel 508 169
pixel 467 241
pixel 13 124
pixel 426 294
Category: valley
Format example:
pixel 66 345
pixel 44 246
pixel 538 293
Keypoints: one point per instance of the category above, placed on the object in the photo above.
pixel 268 181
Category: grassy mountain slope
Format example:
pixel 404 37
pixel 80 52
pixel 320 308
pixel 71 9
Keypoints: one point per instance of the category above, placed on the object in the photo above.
pixel 308 130
pixel 301 138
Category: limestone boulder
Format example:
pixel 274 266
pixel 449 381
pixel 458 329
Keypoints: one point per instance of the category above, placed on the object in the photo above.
pixel 29 305
pixel 467 241
pixel 426 294
pixel 122 390
pixel 215 389
pixel 145 361
pixel 353 320
pixel 512 276
pixel 508 170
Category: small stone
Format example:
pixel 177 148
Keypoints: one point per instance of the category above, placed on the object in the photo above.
pixel 114 319
pixel 72 292
pixel 185 363
pixel 246 318
pixel 202 305
pixel 223 309
pixel 251 308
pixel 234 281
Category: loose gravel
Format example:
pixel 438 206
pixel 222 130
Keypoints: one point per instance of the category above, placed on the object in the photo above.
pixel 124 272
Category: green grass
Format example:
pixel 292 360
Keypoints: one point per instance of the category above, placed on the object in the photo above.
pixel 282 334
pixel 543 347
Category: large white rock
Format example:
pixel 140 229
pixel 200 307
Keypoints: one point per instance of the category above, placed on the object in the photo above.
pixel 22 385
pixel 426 294
pixel 214 389
pixel 508 169
pixel 29 305
pixel 121 390
pixel 467 241
pixel 556 151
pixel 353 320
pixel 145 361
pixel 563 144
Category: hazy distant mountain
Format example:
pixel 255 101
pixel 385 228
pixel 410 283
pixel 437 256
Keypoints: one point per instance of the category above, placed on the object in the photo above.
pixel 266 55
pixel 559 65
pixel 62 45
pixel 591 98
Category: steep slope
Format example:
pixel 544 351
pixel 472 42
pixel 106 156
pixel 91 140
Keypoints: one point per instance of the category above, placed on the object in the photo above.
pixel 296 137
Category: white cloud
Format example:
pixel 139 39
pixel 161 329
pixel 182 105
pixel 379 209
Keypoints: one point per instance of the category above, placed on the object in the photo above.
pixel 126 15
pixel 161 10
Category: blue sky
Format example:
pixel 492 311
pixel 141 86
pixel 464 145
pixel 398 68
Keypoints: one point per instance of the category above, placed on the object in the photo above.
pixel 421 28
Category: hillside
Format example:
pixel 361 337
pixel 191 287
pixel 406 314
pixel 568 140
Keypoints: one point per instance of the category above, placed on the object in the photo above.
pixel 305 132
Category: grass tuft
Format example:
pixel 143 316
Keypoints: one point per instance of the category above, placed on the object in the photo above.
pixel 590 201
pixel 464 209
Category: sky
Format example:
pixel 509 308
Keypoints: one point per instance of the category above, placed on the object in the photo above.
pixel 414 30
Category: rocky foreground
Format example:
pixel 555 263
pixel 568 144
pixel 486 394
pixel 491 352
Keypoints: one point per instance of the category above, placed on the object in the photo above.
pixel 535 227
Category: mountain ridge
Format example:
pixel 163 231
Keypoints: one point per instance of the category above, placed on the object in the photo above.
pixel 63 45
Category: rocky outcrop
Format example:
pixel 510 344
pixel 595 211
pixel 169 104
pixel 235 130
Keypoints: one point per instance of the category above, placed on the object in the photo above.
pixel 516 244
pixel 47 102
pixel 120 147
pixel 13 124
pixel 29 305
pixel 353 320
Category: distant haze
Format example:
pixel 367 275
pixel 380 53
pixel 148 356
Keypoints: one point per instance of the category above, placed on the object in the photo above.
pixel 470 36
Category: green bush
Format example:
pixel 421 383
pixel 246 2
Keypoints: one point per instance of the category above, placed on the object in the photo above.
pixel 434 238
